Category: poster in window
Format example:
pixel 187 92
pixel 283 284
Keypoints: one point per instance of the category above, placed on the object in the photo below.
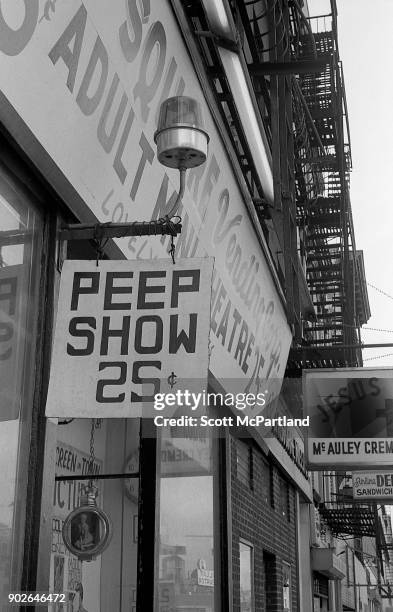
pixel 13 303
pixel 286 587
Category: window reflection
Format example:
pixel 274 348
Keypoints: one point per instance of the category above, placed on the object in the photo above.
pixel 286 587
pixel 20 244
pixel 108 582
pixel 186 557
pixel 246 564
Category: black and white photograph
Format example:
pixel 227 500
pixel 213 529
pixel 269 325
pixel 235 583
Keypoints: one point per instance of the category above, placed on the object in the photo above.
pixel 196 349
pixel 85 531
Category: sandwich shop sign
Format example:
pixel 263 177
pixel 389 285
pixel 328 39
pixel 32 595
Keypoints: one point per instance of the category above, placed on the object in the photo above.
pixel 125 331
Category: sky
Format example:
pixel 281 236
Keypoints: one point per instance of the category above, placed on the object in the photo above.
pixel 366 51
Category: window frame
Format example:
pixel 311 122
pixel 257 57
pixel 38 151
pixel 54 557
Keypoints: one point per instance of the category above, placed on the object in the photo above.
pixel 29 474
pixel 250 546
pixel 288 566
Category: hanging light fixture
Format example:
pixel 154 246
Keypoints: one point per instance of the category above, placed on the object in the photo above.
pixel 182 143
pixel 180 137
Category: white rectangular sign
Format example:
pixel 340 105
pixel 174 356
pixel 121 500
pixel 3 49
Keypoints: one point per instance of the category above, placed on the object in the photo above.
pixel 373 485
pixel 205 577
pixel 342 452
pixel 127 330
pixel 350 413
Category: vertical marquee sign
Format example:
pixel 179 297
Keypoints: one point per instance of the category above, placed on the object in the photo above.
pixel 351 418
pixel 127 330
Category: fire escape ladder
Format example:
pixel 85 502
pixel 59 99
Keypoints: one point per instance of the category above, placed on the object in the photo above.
pixel 283 163
pixel 298 87
pixel 326 213
pixel 268 50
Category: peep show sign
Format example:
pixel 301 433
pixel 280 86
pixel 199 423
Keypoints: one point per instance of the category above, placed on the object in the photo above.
pixel 125 331
pixel 351 418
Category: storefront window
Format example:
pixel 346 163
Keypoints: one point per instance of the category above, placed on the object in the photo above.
pixel 107 449
pixel 185 560
pixel 321 592
pixel 286 587
pixel 246 578
pixel 21 231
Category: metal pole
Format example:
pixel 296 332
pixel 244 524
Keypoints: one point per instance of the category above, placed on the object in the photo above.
pixel 338 347
pixel 377 547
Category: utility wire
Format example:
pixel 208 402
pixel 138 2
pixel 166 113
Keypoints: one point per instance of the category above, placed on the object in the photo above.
pixel 388 331
pixel 378 357
pixel 380 291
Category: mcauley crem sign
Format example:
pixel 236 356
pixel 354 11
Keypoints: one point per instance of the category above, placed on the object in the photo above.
pixel 126 331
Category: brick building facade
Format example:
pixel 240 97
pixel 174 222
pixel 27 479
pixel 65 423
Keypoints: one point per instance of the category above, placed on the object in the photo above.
pixel 263 515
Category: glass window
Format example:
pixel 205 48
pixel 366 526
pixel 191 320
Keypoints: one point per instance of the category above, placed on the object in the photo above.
pixel 262 483
pixel 271 485
pixel 107 449
pixel 246 578
pixel 284 498
pixel 21 229
pixel 185 560
pixel 286 587
pixel 270 580
pixel 244 463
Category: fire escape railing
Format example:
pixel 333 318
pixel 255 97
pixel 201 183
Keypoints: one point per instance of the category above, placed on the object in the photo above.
pixel 296 75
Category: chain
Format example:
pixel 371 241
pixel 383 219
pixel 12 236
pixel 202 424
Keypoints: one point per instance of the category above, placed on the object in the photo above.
pixel 95 424
pixel 172 250
pixel 172 225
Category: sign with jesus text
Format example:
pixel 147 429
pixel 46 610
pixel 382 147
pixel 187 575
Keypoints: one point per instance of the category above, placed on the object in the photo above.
pixel 350 414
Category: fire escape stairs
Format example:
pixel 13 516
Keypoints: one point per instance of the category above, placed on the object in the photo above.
pixel 326 218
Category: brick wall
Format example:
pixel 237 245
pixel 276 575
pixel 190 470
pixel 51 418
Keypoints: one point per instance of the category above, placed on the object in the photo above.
pixel 264 514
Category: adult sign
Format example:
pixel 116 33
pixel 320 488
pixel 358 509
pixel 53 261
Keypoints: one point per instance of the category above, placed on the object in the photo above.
pixel 373 485
pixel 127 330
pixel 80 91
pixel 351 418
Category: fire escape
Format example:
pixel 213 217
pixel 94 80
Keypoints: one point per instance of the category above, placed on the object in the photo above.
pixel 296 59
pixel 307 91
pixel 330 242
pixel 333 279
pixel 295 75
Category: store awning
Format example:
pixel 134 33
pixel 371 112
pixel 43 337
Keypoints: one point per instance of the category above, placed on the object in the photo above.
pixel 353 520
pixel 325 561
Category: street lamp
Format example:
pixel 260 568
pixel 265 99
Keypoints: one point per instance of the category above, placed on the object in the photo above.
pixel 182 143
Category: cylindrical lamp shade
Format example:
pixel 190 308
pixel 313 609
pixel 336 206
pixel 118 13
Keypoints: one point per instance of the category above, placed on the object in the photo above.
pixel 180 137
